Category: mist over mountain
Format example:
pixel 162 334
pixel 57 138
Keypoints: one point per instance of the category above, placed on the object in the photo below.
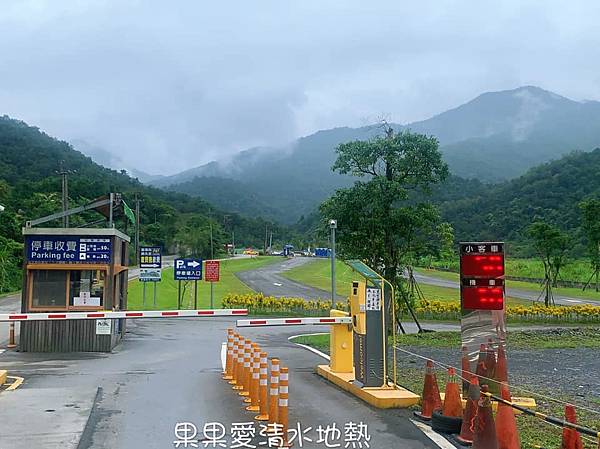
pixel 495 137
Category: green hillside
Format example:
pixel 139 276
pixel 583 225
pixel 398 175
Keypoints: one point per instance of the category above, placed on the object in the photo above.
pixel 550 192
pixel 30 187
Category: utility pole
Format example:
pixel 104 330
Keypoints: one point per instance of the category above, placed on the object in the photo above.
pixel 266 237
pixel 333 227
pixel 271 241
pixel 65 192
pixel 137 227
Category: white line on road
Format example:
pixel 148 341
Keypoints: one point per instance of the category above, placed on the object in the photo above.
pixel 2 350
pixel 433 436
pixel 311 349
pixel 572 300
pixel 277 284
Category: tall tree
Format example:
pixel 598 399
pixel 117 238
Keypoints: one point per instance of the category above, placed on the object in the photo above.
pixel 551 245
pixel 590 223
pixel 379 217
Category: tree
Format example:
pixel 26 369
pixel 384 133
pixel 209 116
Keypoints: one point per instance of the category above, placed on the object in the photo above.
pixel 590 223
pixel 551 245
pixel 379 217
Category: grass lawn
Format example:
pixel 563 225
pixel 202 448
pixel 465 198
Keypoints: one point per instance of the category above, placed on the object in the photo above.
pixel 317 273
pixel 572 292
pixel 166 290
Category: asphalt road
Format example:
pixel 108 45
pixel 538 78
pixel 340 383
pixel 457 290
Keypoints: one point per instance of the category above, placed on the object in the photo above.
pixel 269 281
pixel 163 373
pixel 510 291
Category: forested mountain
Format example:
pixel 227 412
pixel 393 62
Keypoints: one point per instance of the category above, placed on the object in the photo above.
pixel 495 137
pixel 550 192
pixel 30 188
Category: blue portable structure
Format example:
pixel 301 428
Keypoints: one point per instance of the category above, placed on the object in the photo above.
pixel 322 252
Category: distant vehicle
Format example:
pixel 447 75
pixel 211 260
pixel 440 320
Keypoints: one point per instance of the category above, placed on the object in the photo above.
pixel 322 252
pixel 251 252
pixel 288 250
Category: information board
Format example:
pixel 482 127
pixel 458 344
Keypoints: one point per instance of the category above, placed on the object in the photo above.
pixel 68 249
pixel 212 270
pixel 150 257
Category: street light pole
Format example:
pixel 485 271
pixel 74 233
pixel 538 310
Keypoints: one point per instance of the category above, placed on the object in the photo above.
pixel 333 226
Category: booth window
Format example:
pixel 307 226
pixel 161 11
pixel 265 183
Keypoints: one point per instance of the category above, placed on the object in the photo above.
pixel 86 288
pixel 49 288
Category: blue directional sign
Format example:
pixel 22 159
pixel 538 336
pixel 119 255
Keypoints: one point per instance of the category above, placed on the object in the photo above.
pixel 188 269
pixel 150 257
pixel 68 249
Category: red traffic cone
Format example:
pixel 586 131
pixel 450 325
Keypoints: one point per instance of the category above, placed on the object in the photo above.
pixel 571 439
pixel 431 394
pixel 465 370
pixel 452 401
pixel 468 423
pixel 506 424
pixel 485 429
pixel 501 366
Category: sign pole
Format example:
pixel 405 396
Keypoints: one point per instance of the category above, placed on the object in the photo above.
pixel 211 295
pixel 178 294
pixel 154 294
pixel 196 295
pixel 144 295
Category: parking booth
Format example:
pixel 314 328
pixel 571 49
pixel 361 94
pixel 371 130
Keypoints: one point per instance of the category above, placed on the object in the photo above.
pixel 73 270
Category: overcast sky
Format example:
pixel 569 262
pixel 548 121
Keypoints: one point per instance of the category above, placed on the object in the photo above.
pixel 169 87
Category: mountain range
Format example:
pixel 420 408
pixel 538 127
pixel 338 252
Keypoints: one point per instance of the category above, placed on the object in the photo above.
pixel 495 137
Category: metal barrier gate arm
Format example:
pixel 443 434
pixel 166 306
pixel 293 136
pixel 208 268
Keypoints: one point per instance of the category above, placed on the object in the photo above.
pixel 121 314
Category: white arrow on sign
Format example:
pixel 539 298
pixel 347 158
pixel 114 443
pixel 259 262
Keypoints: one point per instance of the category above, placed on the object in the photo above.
pixel 193 264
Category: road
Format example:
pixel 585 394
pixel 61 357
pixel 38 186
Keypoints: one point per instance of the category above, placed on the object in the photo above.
pixel 269 281
pixel 510 291
pixel 165 372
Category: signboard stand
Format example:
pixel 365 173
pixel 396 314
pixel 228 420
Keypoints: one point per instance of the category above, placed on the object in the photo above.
pixel 178 295
pixel 482 297
pixel 196 295
pixel 211 274
pixel 150 268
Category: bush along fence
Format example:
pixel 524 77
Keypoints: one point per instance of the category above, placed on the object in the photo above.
pixel 257 304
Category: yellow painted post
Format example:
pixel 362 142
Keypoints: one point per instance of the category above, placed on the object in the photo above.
pixel 254 382
pixel 274 391
pixel 283 404
pixel 227 375
pixel 341 348
pixel 239 365
pixel 263 387
pixel 246 369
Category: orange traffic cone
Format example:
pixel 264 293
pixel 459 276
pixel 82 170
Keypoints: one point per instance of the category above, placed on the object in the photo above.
pixel 485 431
pixel 571 439
pixel 431 394
pixel 501 366
pixel 490 360
pixel 465 370
pixel 506 424
pixel 470 413
pixel 452 401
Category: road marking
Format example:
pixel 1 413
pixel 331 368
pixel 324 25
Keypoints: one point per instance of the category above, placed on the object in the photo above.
pixel 572 300
pixel 310 348
pixel 277 284
pixel 2 350
pixel 224 354
pixel 433 436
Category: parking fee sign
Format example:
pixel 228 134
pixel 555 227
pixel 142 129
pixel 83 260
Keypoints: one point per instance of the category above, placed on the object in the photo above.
pixel 211 270
pixel 188 269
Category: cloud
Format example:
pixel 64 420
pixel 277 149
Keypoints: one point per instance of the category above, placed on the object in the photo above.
pixel 166 86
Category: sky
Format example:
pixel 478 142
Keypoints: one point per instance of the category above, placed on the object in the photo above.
pixel 165 86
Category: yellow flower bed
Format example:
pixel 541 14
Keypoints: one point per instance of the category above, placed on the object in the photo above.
pixel 434 310
pixel 258 301
pixel 535 312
